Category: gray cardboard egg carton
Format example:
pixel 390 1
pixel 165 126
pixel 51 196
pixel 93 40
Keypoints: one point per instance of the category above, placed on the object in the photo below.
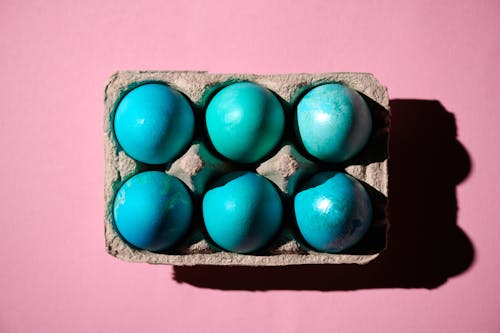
pixel 199 165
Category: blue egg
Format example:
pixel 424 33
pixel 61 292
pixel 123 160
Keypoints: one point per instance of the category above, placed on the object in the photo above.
pixel 333 211
pixel 243 212
pixel 245 122
pixel 154 123
pixel 152 210
pixel 334 122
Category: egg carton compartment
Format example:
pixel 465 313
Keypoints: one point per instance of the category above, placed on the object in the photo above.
pixel 286 167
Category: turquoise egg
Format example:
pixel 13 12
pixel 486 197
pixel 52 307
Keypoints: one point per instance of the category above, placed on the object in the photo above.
pixel 152 210
pixel 333 211
pixel 243 212
pixel 245 122
pixel 334 122
pixel 154 123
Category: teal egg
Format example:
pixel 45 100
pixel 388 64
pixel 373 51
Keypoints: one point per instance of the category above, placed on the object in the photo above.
pixel 152 210
pixel 245 122
pixel 243 212
pixel 333 211
pixel 153 123
pixel 334 122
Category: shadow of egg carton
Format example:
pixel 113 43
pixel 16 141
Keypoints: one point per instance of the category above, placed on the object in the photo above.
pixel 286 167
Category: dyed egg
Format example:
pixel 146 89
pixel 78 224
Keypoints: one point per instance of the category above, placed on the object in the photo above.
pixel 245 122
pixel 152 210
pixel 243 212
pixel 153 123
pixel 334 122
pixel 333 211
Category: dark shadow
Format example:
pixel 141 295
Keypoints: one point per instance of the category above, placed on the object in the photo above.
pixel 425 248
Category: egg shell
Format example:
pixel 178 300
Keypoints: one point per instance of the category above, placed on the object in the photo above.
pixel 333 211
pixel 153 123
pixel 287 168
pixel 334 122
pixel 152 210
pixel 244 122
pixel 242 212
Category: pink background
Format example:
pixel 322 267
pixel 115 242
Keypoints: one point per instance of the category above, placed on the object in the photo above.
pixel 54 61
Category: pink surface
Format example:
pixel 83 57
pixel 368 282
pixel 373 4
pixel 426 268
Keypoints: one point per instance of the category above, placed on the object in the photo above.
pixel 54 60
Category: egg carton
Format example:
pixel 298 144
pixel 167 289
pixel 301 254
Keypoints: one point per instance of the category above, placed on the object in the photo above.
pixel 286 167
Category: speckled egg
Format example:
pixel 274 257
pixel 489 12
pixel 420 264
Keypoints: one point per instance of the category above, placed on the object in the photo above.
pixel 243 212
pixel 333 211
pixel 245 122
pixel 152 210
pixel 334 122
pixel 153 123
